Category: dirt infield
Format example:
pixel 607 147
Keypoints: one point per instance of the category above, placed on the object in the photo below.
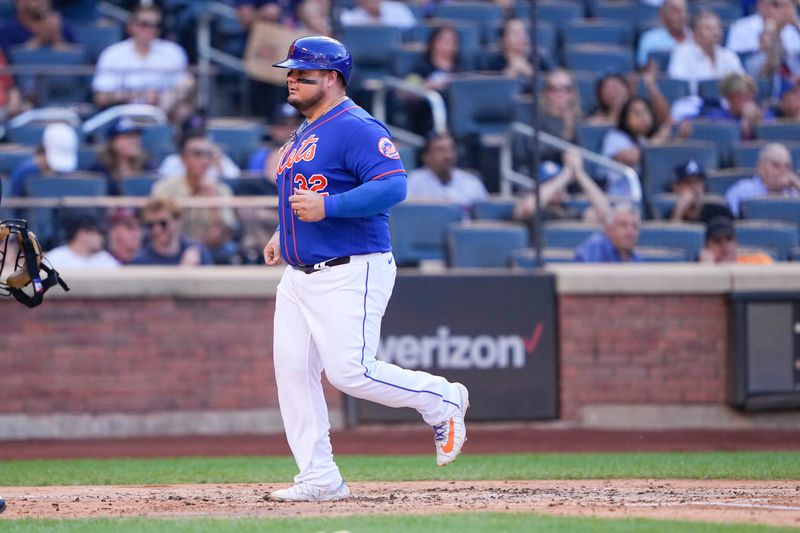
pixel 756 502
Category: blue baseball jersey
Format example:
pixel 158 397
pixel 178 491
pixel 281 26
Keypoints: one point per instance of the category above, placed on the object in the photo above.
pixel 343 149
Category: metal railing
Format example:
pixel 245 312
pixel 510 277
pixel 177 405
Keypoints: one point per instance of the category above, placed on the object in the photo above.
pixel 509 176
pixel 381 88
pixel 208 55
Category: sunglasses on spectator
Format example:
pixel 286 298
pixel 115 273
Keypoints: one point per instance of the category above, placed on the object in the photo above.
pixel 148 23
pixel 162 223
pixel 559 88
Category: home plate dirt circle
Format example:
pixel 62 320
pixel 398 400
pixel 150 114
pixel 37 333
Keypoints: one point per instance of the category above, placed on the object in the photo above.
pixel 774 503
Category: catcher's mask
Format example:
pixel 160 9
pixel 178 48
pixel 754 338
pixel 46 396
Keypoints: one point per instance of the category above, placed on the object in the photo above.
pixel 21 247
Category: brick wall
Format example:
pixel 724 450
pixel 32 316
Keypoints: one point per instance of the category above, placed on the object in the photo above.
pixel 144 355
pixel 642 350
pixel 139 355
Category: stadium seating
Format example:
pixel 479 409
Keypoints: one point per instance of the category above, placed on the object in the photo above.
pixel 661 254
pixel 483 14
pixel 686 236
pixel 779 130
pixel 12 155
pixel 51 87
pixel 481 105
pixel 659 162
pixel 663 203
pixel 484 243
pixel 641 15
pixel 371 48
pixel 252 185
pixel 496 208
pixel 587 57
pixel 97 36
pixel 709 89
pixel 772 208
pixel 418 230
pixel 745 153
pixel 137 186
pixel 553 11
pixel 724 134
pixel 567 233
pixel 158 140
pixel 718 181
pixel 782 236
pixel 469 34
pixel 239 137
pixel 590 136
pixel 526 257
pixel 672 89
pixel 597 31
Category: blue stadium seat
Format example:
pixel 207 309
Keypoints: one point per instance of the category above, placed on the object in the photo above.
pixel 718 181
pixel 484 243
pixel 526 257
pixel 30 134
pixel 709 89
pixel 553 11
pixel 482 14
pixel 779 130
pixel 87 156
pixel 158 140
pixel 252 185
pixel 588 57
pixel 772 208
pixel 641 15
pixel 745 153
pixel 590 136
pixel 5 187
pixel 418 230
pixel 239 137
pixel 661 254
pixel 496 208
pixel 686 236
pixel 723 133
pixel 137 186
pixel 659 163
pixel 661 57
pixel 481 105
pixel 371 48
pixel 671 89
pixel 96 36
pixel 12 155
pixel 406 59
pixel 47 86
pixel 782 236
pixel 567 233
pixel 796 253
pixel 469 34
pixel 597 31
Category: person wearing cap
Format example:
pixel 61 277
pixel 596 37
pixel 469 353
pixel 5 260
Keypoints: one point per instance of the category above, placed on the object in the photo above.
pixel 440 179
pixel 264 161
pixel 774 177
pixel 124 234
pixel 58 153
pixel 123 156
pixel 721 245
pixel 617 242
pixel 691 204
pixel 84 247
pixel 555 181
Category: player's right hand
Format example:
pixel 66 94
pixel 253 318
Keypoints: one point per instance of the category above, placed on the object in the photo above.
pixel 272 251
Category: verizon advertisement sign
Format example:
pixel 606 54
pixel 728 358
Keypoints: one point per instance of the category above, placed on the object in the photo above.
pixel 495 334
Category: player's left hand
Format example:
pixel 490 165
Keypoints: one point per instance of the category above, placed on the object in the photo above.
pixel 308 206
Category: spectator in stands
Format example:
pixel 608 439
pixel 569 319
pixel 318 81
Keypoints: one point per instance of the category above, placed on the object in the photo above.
pixel 124 234
pixel 222 166
pixel 774 177
pixel 379 13
pixel 771 37
pixel 691 204
pixel 560 107
pixel 739 104
pixel 58 153
pixel 721 245
pixel 34 25
pixel 789 105
pixel 516 59
pixel 636 129
pixel 166 243
pixel 313 14
pixel 617 242
pixel 437 67
pixel 145 69
pixel 555 181
pixel 11 102
pixel 439 178
pixel 703 57
pixel 672 31
pixel 84 247
pixel 123 156
pixel 613 90
pixel 214 227
pixel 265 160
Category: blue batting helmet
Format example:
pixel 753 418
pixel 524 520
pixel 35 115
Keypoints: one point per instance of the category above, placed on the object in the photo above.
pixel 318 53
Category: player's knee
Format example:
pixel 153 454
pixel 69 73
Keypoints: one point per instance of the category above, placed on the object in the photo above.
pixel 346 377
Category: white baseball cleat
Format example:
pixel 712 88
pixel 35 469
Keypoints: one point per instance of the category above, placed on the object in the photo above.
pixel 303 492
pixel 450 435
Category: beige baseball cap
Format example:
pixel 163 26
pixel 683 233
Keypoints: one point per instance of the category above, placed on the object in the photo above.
pixel 60 147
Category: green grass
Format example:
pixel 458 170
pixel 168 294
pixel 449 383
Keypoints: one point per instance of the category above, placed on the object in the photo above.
pixel 696 465
pixel 460 523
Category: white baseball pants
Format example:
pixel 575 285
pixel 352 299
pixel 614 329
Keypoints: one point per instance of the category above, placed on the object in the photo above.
pixel 331 320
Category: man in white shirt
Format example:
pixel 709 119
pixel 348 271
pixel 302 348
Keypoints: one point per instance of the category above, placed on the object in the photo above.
pixel 758 33
pixel 440 179
pixel 379 13
pixel 84 248
pixel 703 58
pixel 143 68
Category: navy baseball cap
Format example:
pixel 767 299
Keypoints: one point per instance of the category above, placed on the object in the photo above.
pixel 122 126
pixel 720 227
pixel 687 170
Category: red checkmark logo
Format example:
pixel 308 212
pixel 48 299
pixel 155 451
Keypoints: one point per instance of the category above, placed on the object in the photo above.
pixel 533 341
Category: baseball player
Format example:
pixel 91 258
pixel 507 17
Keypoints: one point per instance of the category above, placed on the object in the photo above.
pixel 337 177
